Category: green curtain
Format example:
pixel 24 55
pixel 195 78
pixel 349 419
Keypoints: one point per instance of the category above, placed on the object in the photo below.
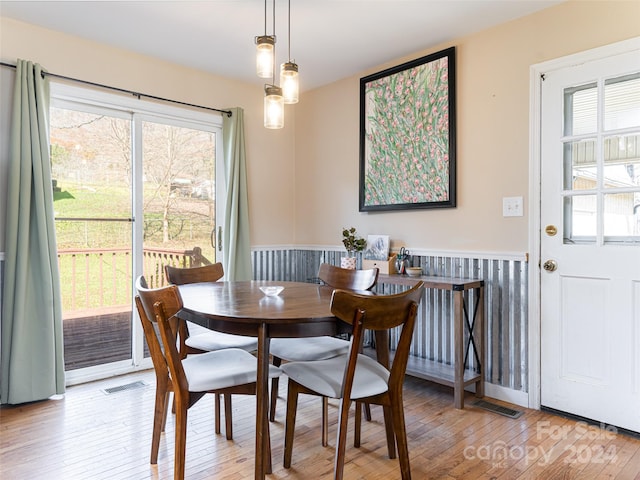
pixel 32 348
pixel 237 247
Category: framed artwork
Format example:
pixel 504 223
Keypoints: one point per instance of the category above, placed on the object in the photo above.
pixel 377 247
pixel 407 135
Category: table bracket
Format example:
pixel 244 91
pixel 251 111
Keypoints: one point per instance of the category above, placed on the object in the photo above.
pixel 471 341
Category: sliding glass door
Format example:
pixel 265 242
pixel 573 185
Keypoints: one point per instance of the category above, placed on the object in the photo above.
pixel 134 189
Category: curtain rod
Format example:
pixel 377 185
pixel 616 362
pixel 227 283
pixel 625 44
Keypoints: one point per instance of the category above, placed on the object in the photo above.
pixel 122 90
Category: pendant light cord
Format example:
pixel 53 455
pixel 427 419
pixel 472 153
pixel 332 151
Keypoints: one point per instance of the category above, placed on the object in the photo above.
pixel 273 77
pixel 265 18
pixel 289 26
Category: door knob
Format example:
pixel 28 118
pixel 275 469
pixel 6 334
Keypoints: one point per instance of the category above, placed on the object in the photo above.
pixel 550 265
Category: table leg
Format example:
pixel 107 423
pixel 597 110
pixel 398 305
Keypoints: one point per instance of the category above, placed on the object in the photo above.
pixel 263 460
pixel 458 336
pixel 480 341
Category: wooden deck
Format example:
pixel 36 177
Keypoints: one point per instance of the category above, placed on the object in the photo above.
pixel 90 435
pixel 94 337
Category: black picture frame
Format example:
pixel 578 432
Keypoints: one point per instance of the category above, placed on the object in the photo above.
pixel 408 135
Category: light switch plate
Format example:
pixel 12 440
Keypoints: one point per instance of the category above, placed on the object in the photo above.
pixel 512 207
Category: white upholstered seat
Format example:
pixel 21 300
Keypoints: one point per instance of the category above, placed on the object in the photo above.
pixel 222 369
pixel 305 349
pixel 325 376
pixel 201 338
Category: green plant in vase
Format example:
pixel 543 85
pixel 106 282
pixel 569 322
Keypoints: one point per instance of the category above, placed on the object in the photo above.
pixel 353 243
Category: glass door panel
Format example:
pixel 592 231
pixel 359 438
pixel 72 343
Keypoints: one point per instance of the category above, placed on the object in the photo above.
pixel 178 198
pixel 91 166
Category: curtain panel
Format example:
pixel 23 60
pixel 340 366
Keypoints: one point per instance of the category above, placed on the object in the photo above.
pixel 32 359
pixel 237 246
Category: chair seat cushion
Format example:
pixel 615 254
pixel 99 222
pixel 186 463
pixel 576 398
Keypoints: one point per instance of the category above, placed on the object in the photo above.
pixel 325 376
pixel 221 369
pixel 209 340
pixel 306 349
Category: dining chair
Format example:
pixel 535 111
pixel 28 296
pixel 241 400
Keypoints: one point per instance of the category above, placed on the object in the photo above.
pixel 354 376
pixel 205 340
pixel 228 371
pixel 196 339
pixel 320 348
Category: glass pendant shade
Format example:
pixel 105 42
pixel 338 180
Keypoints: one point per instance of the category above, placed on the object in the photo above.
pixel 289 82
pixel 264 55
pixel 273 107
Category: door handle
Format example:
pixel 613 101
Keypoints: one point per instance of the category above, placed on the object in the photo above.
pixel 219 239
pixel 550 265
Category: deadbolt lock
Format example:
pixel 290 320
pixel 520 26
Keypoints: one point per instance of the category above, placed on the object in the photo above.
pixel 551 230
pixel 550 265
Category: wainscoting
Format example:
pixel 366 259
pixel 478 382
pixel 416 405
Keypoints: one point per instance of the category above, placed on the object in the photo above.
pixel 506 304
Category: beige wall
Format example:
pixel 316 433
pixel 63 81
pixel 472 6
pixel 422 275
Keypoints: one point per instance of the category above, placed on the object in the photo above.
pixel 303 180
pixel 492 135
pixel 269 153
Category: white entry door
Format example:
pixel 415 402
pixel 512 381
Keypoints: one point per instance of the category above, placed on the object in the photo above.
pixel 590 240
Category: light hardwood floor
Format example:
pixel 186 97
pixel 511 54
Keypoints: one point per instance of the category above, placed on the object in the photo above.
pixel 90 435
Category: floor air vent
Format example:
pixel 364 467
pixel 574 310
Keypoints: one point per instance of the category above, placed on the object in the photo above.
pixel 126 386
pixel 492 407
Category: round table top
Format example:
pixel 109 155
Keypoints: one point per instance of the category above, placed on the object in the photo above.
pixel 244 302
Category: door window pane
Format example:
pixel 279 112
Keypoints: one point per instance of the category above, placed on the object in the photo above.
pixel 622 102
pixel 580 164
pixel 622 217
pixel 580 218
pixel 581 110
pixel 621 161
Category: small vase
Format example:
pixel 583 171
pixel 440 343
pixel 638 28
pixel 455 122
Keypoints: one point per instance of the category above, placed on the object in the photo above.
pixel 348 262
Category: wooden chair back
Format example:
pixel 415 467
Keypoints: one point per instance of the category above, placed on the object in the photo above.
pixel 182 276
pixel 348 279
pixel 378 313
pixel 159 306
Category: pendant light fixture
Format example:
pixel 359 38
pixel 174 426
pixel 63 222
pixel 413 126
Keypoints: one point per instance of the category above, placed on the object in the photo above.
pixel 273 101
pixel 265 47
pixel 289 73
pixel 273 107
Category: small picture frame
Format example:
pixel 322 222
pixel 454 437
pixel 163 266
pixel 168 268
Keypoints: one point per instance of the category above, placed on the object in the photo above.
pixel 377 247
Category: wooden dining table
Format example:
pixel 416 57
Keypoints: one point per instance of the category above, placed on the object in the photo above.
pixel 241 308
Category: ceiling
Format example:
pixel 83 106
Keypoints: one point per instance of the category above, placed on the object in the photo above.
pixel 330 39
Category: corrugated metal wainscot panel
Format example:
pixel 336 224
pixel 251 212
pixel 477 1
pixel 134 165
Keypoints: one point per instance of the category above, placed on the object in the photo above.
pixel 505 303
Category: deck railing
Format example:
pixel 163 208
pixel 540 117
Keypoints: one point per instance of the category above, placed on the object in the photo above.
pixel 102 278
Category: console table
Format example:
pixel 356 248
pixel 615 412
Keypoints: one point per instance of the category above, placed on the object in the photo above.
pixel 457 375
